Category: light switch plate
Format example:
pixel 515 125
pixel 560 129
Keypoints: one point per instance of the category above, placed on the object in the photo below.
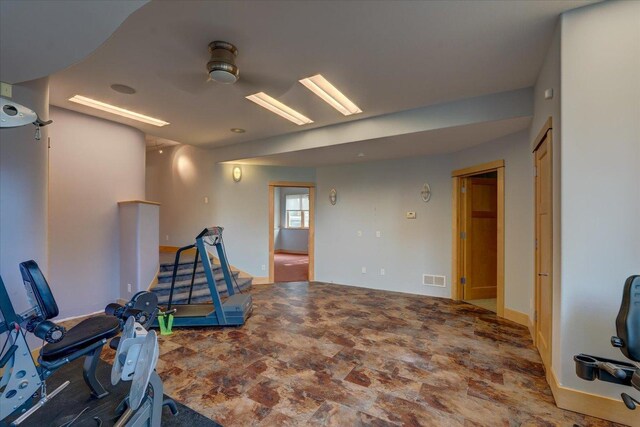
pixel 5 90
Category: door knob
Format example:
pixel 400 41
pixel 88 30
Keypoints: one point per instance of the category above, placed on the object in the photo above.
pixel 543 274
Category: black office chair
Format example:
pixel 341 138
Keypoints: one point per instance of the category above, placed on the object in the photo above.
pixel 86 339
pixel 627 340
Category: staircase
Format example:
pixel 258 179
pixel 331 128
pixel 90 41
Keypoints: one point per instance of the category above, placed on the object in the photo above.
pixel 201 293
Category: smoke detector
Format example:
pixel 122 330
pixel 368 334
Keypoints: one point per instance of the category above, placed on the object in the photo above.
pixel 222 65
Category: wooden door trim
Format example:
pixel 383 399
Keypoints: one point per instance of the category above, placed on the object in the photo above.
pixel 292 184
pixel 481 168
pixel 457 175
pixel 547 135
pixel 312 224
pixel 547 126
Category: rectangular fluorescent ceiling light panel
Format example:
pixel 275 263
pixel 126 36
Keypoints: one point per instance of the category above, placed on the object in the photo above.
pixel 117 110
pixel 275 106
pixel 332 96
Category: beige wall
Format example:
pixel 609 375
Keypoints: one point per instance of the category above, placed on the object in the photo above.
pixel 94 164
pixel 181 177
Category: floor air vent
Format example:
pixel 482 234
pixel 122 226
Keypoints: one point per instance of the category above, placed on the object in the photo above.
pixel 432 280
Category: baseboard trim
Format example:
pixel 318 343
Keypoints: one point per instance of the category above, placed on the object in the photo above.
pixel 516 316
pixel 288 251
pixel 261 281
pixel 590 404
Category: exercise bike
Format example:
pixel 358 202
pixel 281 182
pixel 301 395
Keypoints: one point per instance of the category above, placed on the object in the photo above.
pixel 24 382
pixel 627 340
pixel 21 378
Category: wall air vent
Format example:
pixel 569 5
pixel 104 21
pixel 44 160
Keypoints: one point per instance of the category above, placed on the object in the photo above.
pixel 433 280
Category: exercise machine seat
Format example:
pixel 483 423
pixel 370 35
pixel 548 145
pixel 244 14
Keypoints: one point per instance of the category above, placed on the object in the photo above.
pixel 85 333
pixel 628 320
pixel 38 289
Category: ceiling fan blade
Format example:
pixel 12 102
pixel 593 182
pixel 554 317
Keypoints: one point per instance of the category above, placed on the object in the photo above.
pixel 256 82
pixel 190 82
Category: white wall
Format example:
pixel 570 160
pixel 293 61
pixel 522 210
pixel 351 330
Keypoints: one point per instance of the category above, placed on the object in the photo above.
pixel 183 176
pixel 549 78
pixel 288 239
pixel 600 178
pixel 94 164
pixel 375 197
pixel 23 193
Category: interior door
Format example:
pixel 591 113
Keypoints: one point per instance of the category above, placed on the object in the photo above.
pixel 544 246
pixel 480 237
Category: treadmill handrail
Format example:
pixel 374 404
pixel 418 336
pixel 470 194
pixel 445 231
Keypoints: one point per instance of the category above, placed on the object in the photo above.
pixel 175 271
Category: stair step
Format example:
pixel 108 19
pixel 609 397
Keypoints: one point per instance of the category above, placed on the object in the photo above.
pixel 185 274
pixel 168 266
pixel 185 280
pixel 201 293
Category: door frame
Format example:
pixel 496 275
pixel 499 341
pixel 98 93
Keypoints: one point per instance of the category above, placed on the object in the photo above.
pixel 312 224
pixel 544 133
pixel 457 176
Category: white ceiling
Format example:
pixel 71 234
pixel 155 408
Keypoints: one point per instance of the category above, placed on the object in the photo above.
pixel 438 141
pixel 386 56
pixel 39 38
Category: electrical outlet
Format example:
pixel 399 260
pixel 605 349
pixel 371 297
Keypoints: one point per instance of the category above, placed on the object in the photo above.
pixel 378 234
pixel 264 267
pixel 382 271
pixel 129 287
pixel 166 237
pixel 411 215
pixel 364 270
pixel 206 200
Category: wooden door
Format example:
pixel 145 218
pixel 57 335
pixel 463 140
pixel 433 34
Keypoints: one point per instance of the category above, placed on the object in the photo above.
pixel 480 237
pixel 544 246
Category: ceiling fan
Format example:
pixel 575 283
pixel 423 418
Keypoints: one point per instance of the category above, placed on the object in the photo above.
pixel 222 65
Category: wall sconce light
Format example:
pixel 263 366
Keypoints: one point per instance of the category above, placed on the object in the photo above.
pixel 425 193
pixel 333 196
pixel 237 173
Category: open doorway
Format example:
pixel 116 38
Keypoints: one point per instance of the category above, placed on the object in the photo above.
pixel 478 236
pixel 291 231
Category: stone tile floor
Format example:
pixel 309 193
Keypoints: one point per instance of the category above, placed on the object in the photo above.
pixel 322 354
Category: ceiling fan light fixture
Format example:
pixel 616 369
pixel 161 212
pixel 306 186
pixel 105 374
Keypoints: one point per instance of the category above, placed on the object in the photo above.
pixel 222 67
pixel 277 107
pixel 330 94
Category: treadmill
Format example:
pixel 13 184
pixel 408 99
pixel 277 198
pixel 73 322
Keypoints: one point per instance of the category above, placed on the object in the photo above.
pixel 234 311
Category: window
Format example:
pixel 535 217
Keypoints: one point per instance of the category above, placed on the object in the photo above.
pixel 297 206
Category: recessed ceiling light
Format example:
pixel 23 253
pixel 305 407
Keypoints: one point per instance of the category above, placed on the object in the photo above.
pixel 117 110
pixel 275 106
pixel 330 94
pixel 127 90
pixel 237 130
